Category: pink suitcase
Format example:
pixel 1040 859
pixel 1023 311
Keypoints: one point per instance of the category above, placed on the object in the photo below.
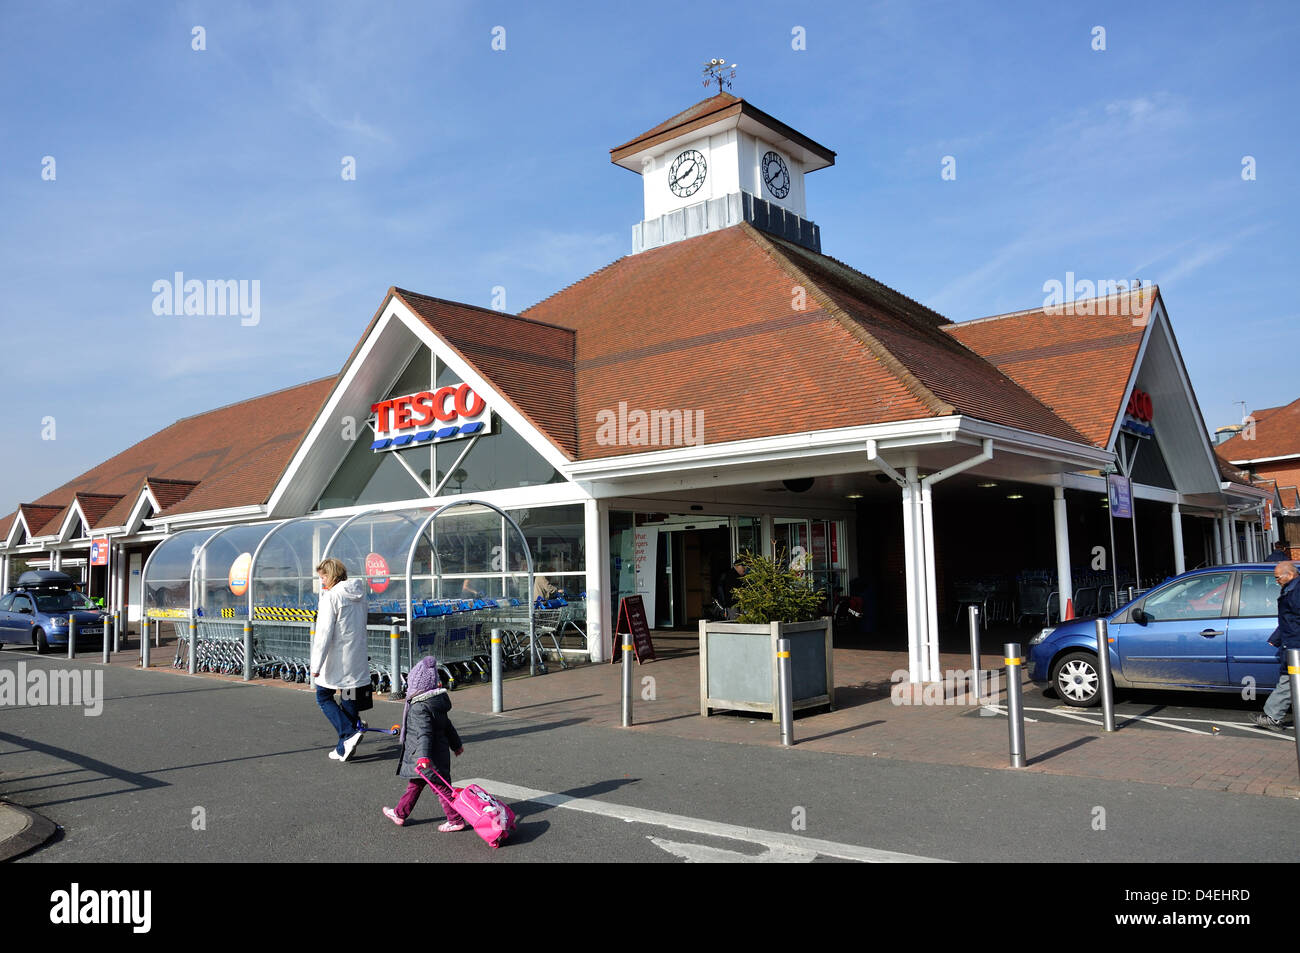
pixel 492 820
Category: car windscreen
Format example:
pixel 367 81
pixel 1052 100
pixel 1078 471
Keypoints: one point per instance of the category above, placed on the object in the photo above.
pixel 61 601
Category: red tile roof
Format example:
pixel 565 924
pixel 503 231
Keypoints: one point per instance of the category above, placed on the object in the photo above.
pixel 530 362
pixel 709 324
pixel 169 492
pixel 95 506
pixel 1276 434
pixel 1077 364
pixel 708 111
pixel 227 457
pixel 1290 497
pixel 40 517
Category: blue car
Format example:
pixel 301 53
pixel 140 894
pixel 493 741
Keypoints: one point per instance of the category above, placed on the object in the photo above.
pixel 1206 630
pixel 37 613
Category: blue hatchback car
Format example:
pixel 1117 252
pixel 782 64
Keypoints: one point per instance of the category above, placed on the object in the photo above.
pixel 1206 630
pixel 37 612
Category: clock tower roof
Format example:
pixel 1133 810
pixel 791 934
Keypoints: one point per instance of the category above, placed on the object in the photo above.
pixel 727 110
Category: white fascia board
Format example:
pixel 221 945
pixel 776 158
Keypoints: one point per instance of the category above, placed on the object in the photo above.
pixel 498 401
pixel 65 531
pixel 13 528
pixel 785 448
pixel 234 514
pixel 1245 492
pixel 136 516
pixel 1288 456
pixel 1094 484
pixel 778 449
pixel 1028 443
pixel 546 494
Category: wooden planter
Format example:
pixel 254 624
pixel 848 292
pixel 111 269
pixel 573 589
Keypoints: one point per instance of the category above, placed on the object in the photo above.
pixel 738 666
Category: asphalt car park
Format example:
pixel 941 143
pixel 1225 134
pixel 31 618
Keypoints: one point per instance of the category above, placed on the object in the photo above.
pixel 1208 713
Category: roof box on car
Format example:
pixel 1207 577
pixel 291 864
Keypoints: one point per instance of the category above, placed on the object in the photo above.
pixel 44 579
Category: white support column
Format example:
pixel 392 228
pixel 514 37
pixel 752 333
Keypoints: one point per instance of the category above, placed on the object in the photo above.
pixel 4 575
pixel 1176 518
pixel 1064 580
pixel 599 615
pixel 1217 538
pixel 931 583
pixel 914 664
pixel 1234 552
pixel 766 534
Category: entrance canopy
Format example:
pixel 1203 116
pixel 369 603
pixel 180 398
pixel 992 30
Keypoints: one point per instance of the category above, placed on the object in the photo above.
pixel 411 559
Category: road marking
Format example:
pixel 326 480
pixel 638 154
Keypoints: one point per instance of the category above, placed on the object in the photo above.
pixel 1163 721
pixel 775 841
pixel 703 854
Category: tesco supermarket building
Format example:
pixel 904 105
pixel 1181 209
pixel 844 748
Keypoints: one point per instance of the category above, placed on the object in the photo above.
pixel 725 387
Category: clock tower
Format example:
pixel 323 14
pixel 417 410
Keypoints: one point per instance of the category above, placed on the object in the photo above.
pixel 721 162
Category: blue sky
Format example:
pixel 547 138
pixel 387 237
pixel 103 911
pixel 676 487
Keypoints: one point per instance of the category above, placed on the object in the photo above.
pixel 478 168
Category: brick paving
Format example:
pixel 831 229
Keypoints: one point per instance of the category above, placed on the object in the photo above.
pixel 868 723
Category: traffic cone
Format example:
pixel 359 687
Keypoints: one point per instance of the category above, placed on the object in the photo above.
pixel 1069 609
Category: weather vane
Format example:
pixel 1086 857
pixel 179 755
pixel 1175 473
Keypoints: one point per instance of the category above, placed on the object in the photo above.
pixel 717 71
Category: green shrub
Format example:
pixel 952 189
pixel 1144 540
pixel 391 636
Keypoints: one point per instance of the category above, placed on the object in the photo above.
pixel 771 592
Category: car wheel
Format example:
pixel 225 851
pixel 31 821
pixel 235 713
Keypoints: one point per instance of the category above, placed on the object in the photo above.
pixel 42 646
pixel 1077 679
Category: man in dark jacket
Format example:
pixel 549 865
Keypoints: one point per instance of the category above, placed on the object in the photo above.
pixel 1285 636
pixel 1280 552
pixel 726 591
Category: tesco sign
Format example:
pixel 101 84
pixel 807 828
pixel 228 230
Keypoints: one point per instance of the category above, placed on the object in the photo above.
pixel 429 416
pixel 1138 414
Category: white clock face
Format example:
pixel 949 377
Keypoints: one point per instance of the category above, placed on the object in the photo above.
pixel 686 174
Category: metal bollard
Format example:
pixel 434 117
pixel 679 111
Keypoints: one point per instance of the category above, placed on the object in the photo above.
pixel 144 642
pixel 117 630
pixel 1293 670
pixel 72 636
pixel 973 614
pixel 497 704
pixel 395 661
pixel 248 650
pixel 627 683
pixel 194 647
pixel 1015 713
pixel 107 623
pixel 1106 688
pixel 785 691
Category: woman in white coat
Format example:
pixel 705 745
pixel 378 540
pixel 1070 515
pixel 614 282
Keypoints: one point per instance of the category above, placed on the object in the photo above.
pixel 338 651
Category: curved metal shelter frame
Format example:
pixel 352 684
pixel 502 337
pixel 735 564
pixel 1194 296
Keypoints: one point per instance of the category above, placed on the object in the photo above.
pixel 163 549
pixel 430 525
pixel 287 524
pixel 199 556
pixel 197 559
